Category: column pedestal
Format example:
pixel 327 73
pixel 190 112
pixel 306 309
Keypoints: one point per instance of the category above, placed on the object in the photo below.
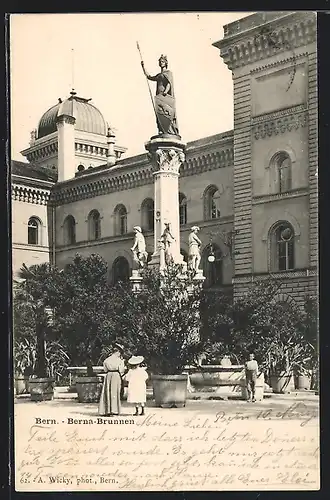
pixel 136 280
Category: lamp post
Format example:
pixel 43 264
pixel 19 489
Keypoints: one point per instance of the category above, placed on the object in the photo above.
pixel 211 256
pixel 227 237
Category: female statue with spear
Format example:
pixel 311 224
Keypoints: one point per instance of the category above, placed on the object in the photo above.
pixel 164 101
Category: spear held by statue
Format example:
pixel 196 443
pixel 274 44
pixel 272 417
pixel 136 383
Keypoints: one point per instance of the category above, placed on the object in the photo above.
pixel 150 93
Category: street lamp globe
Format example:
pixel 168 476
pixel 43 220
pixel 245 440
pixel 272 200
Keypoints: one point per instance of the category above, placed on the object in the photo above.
pixel 211 258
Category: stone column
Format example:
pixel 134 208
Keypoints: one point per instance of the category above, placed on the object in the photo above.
pixel 111 155
pixel 166 155
pixel 66 147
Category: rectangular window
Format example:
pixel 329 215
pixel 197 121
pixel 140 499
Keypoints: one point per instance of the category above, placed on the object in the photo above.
pixel 285 177
pixel 32 235
pixel 72 233
pixel 97 229
pixel 285 255
pixel 123 224
pixel 183 214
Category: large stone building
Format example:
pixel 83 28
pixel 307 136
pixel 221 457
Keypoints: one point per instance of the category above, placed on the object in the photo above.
pixel 252 191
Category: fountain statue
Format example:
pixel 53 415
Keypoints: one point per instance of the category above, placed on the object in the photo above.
pixel 194 255
pixel 140 256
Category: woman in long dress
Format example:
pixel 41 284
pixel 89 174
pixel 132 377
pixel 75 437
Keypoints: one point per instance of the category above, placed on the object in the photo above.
pixel 114 368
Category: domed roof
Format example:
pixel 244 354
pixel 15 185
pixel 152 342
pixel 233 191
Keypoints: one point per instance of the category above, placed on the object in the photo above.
pixel 88 117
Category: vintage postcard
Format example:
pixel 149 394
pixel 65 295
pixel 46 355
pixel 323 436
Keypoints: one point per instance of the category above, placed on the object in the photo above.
pixel 165 251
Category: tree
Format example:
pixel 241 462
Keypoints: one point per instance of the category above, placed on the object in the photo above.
pixel 78 297
pixel 161 321
pixel 82 308
pixel 33 295
pixel 278 333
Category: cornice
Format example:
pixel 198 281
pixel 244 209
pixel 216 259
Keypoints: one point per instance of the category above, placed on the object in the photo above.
pixel 31 181
pixel 213 141
pixel 30 194
pixel 29 248
pixel 209 161
pixel 295 273
pixel 38 143
pixel 279 113
pixel 288 61
pixel 86 148
pixel 268 39
pixel 296 193
pixel 60 120
pixel 45 151
pixel 91 185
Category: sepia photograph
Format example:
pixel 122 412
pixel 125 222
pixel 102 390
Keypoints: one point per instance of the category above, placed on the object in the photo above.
pixel 165 251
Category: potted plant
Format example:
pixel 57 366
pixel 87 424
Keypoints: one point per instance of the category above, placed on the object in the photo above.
pixel 286 357
pixel 41 384
pixel 161 322
pixel 32 300
pixel 88 386
pixel 303 378
pixel 304 372
pixel 24 363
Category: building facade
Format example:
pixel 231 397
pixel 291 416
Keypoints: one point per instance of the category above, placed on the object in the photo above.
pixel 252 191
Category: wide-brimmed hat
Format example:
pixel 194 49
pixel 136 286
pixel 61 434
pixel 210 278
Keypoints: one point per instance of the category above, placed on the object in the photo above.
pixel 138 228
pixel 118 346
pixel 195 227
pixel 135 360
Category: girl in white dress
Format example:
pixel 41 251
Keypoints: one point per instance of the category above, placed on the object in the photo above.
pixel 136 378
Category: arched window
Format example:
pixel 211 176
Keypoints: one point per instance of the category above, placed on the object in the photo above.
pixel 94 225
pixel 34 225
pixel 211 203
pixel 147 212
pixel 69 229
pixel 182 209
pixel 282 247
pixel 212 269
pixel 281 162
pixel 120 270
pixel 120 220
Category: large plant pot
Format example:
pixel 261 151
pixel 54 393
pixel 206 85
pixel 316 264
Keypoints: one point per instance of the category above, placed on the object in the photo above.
pixel 21 384
pixel 259 388
pixel 282 383
pixel 88 389
pixel 216 376
pixel 303 382
pixel 170 390
pixel 41 389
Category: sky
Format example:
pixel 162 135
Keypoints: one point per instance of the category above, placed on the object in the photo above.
pixel 97 55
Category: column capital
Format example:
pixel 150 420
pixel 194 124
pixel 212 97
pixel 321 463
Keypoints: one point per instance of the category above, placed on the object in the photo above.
pixel 166 153
pixel 65 119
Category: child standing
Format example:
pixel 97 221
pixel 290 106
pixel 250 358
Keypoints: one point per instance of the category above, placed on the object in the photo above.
pixel 136 378
pixel 251 374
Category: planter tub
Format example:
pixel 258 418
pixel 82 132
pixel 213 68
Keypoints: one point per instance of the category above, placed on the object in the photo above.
pixel 303 382
pixel 170 390
pixel 282 383
pixel 21 384
pixel 223 381
pixel 259 389
pixel 88 389
pixel 41 389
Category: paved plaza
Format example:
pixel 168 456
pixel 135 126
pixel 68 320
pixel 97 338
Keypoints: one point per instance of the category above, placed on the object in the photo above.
pixel 208 445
